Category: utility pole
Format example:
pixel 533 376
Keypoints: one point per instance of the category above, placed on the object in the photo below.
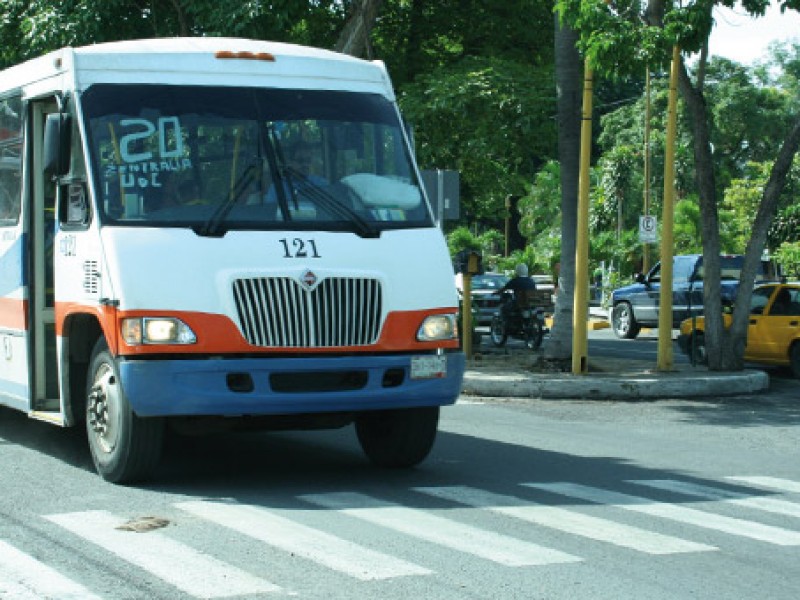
pixel 646 208
pixel 508 222
pixel 580 303
pixel 665 359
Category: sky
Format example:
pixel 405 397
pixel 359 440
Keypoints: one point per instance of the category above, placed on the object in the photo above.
pixel 744 39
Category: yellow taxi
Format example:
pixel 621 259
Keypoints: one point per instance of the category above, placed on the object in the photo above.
pixel 773 333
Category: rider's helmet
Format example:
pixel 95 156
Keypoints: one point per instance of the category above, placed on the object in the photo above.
pixel 521 270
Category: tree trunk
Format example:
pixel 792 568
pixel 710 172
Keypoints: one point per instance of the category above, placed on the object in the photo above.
pixel 719 348
pixel 415 37
pixel 183 23
pixel 725 347
pixel 569 79
pixel 354 39
pixel 758 237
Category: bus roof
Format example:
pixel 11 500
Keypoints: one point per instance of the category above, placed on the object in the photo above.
pixel 201 61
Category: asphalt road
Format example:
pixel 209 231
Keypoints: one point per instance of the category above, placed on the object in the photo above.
pixel 519 499
pixel 603 342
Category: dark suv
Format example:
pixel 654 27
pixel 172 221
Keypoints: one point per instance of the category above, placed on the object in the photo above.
pixel 636 306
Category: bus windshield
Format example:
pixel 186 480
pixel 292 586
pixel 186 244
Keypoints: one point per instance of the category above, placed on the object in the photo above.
pixel 222 158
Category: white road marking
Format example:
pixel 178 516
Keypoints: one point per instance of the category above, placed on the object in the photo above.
pixel 438 530
pixel 774 483
pixel 772 505
pixel 314 545
pixel 22 577
pixel 189 570
pixel 568 521
pixel 682 514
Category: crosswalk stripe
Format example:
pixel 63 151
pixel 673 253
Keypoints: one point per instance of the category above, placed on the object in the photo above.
pixel 774 483
pixel 566 520
pixel 189 570
pixel 772 505
pixel 325 549
pixel 22 577
pixel 439 530
pixel 682 514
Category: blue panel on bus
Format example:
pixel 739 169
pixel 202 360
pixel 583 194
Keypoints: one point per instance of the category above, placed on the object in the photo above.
pixel 255 386
pixel 11 272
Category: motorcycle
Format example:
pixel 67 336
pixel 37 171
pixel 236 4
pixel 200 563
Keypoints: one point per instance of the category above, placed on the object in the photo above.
pixel 524 323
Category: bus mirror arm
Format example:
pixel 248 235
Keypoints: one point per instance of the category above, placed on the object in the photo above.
pixel 57 141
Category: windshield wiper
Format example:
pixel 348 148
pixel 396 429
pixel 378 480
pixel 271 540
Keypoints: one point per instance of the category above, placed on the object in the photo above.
pixel 327 201
pixel 212 227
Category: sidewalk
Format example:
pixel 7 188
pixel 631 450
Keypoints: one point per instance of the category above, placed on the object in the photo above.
pixel 513 373
pixel 617 381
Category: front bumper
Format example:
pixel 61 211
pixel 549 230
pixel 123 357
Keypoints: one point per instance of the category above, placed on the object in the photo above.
pixel 266 386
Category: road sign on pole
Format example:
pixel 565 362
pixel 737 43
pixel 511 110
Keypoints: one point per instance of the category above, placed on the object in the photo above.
pixel 443 189
pixel 648 229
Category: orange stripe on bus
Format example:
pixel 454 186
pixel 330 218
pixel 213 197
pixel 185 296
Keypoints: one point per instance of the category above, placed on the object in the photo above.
pixel 14 313
pixel 218 334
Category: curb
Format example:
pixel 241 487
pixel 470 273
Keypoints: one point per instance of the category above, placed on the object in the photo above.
pixel 638 386
pixel 592 324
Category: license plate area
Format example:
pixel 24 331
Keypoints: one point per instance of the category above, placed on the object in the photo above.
pixel 430 366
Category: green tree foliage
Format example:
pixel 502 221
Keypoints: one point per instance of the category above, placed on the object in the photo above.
pixel 741 202
pixel 788 256
pixel 786 227
pixel 462 238
pixel 749 120
pixel 540 216
pixel 29 28
pixel 528 257
pixel 476 82
pixel 621 37
pixel 488 118
pixel 419 37
pixel 475 77
pixel 488 244
pixel 619 190
pixel 623 252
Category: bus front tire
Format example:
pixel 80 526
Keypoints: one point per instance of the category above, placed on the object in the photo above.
pixel 398 438
pixel 125 448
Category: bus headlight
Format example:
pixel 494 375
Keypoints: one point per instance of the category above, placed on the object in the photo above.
pixel 156 330
pixel 438 327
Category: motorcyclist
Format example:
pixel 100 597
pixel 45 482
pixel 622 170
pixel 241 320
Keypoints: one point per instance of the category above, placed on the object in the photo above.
pixel 519 286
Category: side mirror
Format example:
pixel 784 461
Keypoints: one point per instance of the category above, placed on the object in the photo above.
pixel 77 205
pixel 57 130
pixel 640 278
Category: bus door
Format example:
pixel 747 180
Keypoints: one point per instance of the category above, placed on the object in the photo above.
pixel 14 383
pixel 45 402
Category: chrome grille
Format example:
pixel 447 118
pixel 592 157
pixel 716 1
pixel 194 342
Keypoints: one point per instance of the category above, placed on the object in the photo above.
pixel 280 312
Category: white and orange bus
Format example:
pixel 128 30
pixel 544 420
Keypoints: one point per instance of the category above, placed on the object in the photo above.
pixel 215 232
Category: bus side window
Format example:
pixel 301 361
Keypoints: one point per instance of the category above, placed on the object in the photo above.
pixel 9 196
pixel 10 161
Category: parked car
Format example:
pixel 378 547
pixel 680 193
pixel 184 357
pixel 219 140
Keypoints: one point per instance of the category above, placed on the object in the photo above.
pixel 773 333
pixel 485 294
pixel 635 306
